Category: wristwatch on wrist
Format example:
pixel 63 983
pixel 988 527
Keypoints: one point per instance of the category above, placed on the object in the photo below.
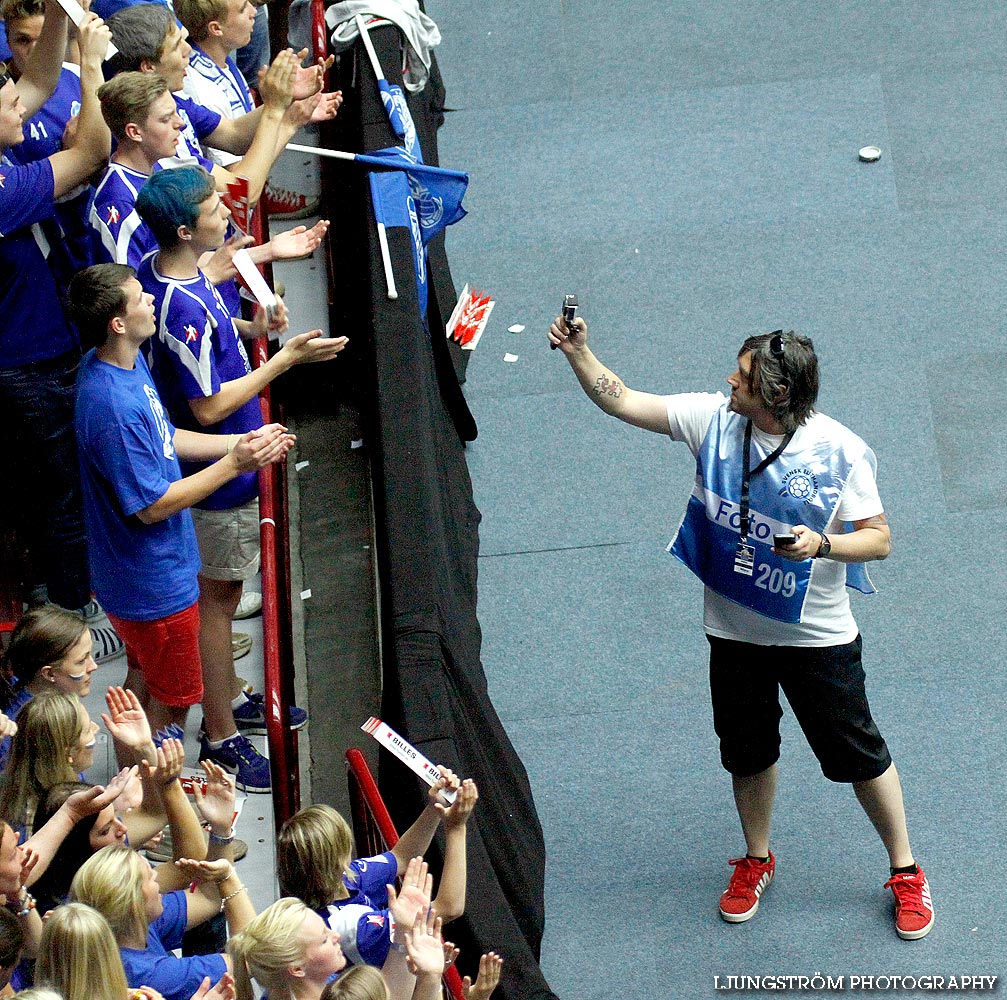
pixel 825 548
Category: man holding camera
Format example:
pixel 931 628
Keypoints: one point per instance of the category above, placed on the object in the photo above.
pixel 784 514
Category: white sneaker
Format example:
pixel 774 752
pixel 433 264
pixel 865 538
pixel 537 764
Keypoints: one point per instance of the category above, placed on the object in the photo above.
pixel 249 606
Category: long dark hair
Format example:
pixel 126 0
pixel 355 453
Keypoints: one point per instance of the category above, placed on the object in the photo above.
pixel 41 638
pixel 53 886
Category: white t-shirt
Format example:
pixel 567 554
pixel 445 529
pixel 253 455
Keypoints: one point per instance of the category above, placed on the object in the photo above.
pixel 828 620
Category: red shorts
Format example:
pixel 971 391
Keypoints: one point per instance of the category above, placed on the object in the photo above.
pixel 166 652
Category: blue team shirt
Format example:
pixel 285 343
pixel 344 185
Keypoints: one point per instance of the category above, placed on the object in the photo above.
pixel 139 571
pixel 197 349
pixel 227 79
pixel 43 132
pixel 362 920
pixel 197 123
pixel 34 327
pixel 43 136
pixel 122 236
pixel 174 978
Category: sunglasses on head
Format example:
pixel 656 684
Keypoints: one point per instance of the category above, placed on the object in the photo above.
pixel 4 74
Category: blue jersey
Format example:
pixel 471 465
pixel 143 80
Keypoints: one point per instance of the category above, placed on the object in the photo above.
pixel 802 486
pixel 43 132
pixel 127 462
pixel 155 966
pixel 34 327
pixel 362 920
pixel 229 95
pixel 43 136
pixel 197 123
pixel 123 237
pixel 196 350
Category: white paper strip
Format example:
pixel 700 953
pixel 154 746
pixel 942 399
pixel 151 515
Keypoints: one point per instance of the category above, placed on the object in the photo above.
pixel 255 281
pixel 75 12
pixel 407 753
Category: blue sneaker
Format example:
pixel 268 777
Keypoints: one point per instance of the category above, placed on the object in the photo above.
pixel 250 717
pixel 238 757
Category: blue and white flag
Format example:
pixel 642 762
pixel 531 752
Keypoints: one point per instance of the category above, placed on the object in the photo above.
pixel 438 193
pixel 394 206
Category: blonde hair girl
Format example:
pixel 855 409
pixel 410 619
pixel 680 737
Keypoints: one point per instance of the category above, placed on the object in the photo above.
pixel 54 741
pixel 288 950
pixel 148 926
pixel 78 956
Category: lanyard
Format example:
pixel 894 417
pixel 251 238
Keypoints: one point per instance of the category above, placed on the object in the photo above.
pixel 747 476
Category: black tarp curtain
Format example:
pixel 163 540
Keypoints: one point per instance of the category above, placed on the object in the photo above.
pixel 406 383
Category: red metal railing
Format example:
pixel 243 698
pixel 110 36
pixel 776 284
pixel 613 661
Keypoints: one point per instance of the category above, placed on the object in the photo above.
pixel 277 623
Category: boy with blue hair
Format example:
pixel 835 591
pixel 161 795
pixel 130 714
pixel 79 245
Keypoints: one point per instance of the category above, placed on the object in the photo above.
pixel 202 372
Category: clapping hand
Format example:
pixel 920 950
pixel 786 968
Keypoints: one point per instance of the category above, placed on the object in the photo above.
pixel 126 719
pixel 488 979
pixel 414 897
pixel 216 804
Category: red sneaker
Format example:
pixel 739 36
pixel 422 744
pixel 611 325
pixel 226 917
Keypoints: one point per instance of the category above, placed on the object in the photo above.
pixel 914 909
pixel 283 204
pixel 741 898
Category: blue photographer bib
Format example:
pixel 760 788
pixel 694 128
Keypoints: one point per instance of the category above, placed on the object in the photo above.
pixel 802 486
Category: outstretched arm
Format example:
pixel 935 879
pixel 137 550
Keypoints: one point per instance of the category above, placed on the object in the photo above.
pixel 41 73
pixel 603 387
pixel 415 841
pixel 450 901
pixel 254 450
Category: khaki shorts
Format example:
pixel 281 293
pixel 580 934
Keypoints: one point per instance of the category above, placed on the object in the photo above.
pixel 228 541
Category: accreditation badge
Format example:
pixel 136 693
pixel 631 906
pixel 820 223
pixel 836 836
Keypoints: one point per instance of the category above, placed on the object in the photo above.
pixel 744 559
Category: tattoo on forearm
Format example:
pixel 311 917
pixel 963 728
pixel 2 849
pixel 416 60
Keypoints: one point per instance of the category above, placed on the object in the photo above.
pixel 606 386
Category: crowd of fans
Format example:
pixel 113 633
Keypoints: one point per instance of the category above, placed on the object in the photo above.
pixel 136 435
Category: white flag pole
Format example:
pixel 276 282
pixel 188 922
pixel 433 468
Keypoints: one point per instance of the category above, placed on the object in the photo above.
pixel 371 54
pixel 386 259
pixel 386 262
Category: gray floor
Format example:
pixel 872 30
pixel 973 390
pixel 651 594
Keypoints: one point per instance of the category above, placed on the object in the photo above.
pixel 690 170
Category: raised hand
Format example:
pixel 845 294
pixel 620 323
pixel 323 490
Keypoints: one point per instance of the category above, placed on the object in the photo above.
pixel 424 947
pixel 170 759
pixel 307 348
pixel 29 859
pixel 276 83
pixel 267 321
pixel 413 899
pixel 8 727
pixel 299 241
pixel 94 35
pixel 131 797
pixel 224 990
pixel 262 447
pixel 457 814
pixel 89 801
pixel 219 266
pixel 216 804
pixel 205 871
pixel 126 719
pixel 488 979
pixel 449 781
pixel 310 79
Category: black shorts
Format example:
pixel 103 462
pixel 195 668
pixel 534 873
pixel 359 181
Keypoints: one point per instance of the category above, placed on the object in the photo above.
pixel 825 688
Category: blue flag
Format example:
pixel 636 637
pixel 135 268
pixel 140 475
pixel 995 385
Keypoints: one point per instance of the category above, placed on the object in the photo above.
pixel 400 118
pixel 394 206
pixel 437 192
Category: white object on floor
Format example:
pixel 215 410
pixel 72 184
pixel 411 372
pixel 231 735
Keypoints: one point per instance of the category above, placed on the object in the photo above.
pixel 249 606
